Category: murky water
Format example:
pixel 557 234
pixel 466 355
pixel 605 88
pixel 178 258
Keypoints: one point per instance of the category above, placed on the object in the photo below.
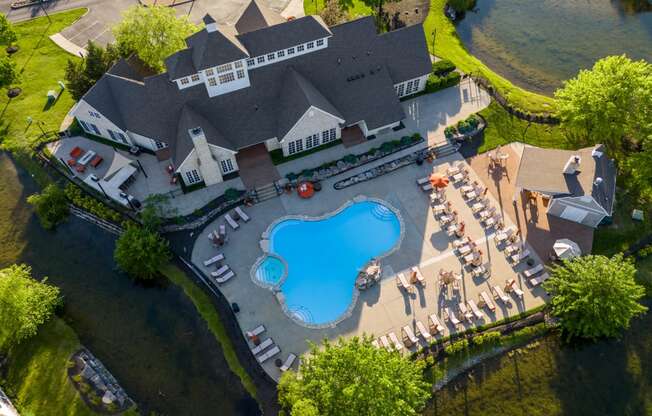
pixel 538 44
pixel 150 337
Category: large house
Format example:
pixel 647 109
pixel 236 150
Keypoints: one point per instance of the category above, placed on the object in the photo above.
pixel 577 185
pixel 265 82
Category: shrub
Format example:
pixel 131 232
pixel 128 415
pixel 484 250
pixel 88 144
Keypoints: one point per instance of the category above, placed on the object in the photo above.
pixel 442 67
pixel 51 206
pixel 307 173
pixel 450 131
pixel 490 337
pixel 461 6
pixel 140 252
pixel 456 347
pixel 90 204
pixel 351 159
pixel 231 194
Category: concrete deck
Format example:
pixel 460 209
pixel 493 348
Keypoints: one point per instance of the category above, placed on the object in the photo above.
pixel 383 308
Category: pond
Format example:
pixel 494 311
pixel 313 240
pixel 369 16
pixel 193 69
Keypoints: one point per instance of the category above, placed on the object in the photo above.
pixel 611 377
pixel 151 338
pixel 538 44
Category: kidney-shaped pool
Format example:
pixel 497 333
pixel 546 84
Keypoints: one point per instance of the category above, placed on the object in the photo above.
pixel 323 257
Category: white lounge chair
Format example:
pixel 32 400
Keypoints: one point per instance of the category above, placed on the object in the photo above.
pixel 385 343
pixel 224 278
pixel 493 221
pixel 440 209
pixel 455 169
pixel 519 257
pixel 397 344
pixel 269 354
pixel 481 270
pixel 487 301
pixel 464 311
pixel 375 343
pixel 427 187
pixel 479 206
pixel 486 213
pixel 435 324
pixel 461 175
pixel 498 292
pixel 533 271
pixel 213 260
pixel 451 317
pixel 222 230
pixel 536 281
pixel 255 332
pixel 504 235
pixel 288 362
pixel 423 181
pixel 512 249
pixel 262 346
pixel 408 336
pixel 231 221
pixel 420 278
pixel 423 332
pixel 220 271
pixel 242 214
pixel 474 308
pixel 518 292
pixel 401 281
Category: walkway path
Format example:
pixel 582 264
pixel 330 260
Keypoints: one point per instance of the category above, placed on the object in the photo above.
pixel 68 46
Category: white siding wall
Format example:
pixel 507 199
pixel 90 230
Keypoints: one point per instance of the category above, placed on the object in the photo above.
pixel 83 112
pixel 368 132
pixel 594 212
pixel 205 77
pixel 142 141
pixel 282 55
pixel 406 88
pixel 272 144
pixel 314 121
pixel 220 154
pixel 188 165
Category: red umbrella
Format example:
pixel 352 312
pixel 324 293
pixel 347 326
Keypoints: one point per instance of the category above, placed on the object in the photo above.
pixel 437 180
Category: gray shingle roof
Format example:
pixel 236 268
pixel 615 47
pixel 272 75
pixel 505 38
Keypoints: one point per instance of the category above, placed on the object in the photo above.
pixel 210 49
pixel 257 16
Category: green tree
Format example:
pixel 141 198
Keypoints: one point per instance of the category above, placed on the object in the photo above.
pixel 152 33
pixel 639 168
pixel 82 74
pixel 352 377
pixel 610 103
pixel 7 33
pixel 25 304
pixel 595 296
pixel 51 206
pixel 332 13
pixel 140 251
pixel 8 73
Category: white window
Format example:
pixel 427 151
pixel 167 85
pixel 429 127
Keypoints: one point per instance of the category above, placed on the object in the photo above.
pixel 290 51
pixel 95 129
pixel 295 147
pixel 84 126
pixel 227 165
pixel 310 45
pixel 185 81
pixel 401 90
pixel 240 73
pixel 280 54
pixel 261 59
pixel 328 135
pixel 238 64
pixel 192 176
pixel 300 48
pixel 210 72
pixel 227 78
pixel 320 42
pixel 212 82
pixel 312 141
pixel 408 88
pixel 194 77
pixel 415 87
pixel 160 145
pixel 224 68
pixel 333 134
pixel 271 56
pixel 251 62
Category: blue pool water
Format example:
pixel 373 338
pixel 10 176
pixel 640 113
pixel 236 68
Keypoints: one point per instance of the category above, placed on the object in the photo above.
pixel 270 271
pixel 324 257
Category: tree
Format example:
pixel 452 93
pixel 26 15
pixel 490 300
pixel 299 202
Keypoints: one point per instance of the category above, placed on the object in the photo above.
pixel 610 104
pixel 140 251
pixel 7 33
pixel 153 33
pixel 595 296
pixel 25 304
pixel 8 73
pixel 51 206
pixel 82 74
pixel 332 13
pixel 639 168
pixel 354 378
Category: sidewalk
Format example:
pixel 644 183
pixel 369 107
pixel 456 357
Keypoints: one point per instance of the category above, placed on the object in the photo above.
pixel 67 45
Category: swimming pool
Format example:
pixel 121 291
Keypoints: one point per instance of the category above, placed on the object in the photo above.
pixel 323 257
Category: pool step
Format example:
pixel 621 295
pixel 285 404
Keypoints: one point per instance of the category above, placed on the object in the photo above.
pixel 383 213
pixel 301 313
pixel 266 192
pixel 444 149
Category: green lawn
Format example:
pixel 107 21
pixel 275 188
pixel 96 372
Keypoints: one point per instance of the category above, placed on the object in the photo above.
pixel 205 308
pixel 624 231
pixel 42 64
pixel 354 8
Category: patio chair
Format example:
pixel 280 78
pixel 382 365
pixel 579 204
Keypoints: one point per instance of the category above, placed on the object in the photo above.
pixel 225 278
pixel 397 344
pixel 402 282
pixel 375 343
pixel 485 300
pixel 231 222
pixel 262 346
pixel 423 332
pixel 486 213
pixel 255 332
pixel 493 221
pixel 450 316
pixel 269 354
pixel 408 336
pixel 533 271
pixel 427 187
pixel 481 270
pixel 423 181
pixel 242 214
pixel 466 189
pixel 213 260
pixel 462 242
pixel 442 208
pixel 220 271
pixel 461 175
pixel 435 324
pixel 480 205
pixel 474 308
pixel 454 169
pixel 536 281
pixel 447 219
pixel 288 363
pixel 512 249
pixel 503 236
pixel 385 343
pixel 96 161
pixel 519 257
pixel 420 278
pixel 466 249
pixel 499 294
pixel 464 311
pixel 76 152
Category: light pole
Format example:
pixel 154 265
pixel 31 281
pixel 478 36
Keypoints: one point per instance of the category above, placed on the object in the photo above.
pixel 45 11
pixel 434 36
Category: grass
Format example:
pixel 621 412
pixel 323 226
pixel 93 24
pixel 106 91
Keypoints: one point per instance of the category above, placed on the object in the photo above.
pixel 354 8
pixel 37 379
pixel 611 239
pixel 449 46
pixel 41 64
pixel 644 274
pixel 204 306
pixel 503 128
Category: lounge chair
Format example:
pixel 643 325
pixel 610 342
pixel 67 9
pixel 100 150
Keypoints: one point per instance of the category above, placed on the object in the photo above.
pixel 513 249
pixel 224 278
pixel 498 293
pixel 262 346
pixel 385 343
pixel 440 209
pixel 466 189
pixel 536 281
pixel 466 249
pixel 397 344
pixel 435 324
pixel 474 308
pixel 222 230
pixel 420 278
pixel 255 332
pixel 533 271
pixel 437 197
pixel 288 362
pixel 375 343
pixel 481 270
pixel 480 205
pixel 242 214
pixel 401 281
pixel 269 354
pixel 427 187
pixel 408 336
pixel 504 235
pixel 447 219
pixel 220 271
pixel 518 292
pixel 423 181
pixel 493 221
pixel 461 175
pixel 213 260
pixel 486 300
pixel 519 257
pixel 450 315
pixel 461 242
pixel 471 258
pixel 464 311
pixel 423 332
pixel 231 221
pixel 455 169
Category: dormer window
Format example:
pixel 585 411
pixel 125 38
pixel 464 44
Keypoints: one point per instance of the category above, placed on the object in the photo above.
pixel 300 48
pixel 320 42
pixel 311 45
pixel 271 56
pixel 210 72
pixel 185 81
pixel 280 54
pixel 240 73
pixel 251 62
pixel 212 82
pixel 194 77
pixel 261 59
pixel 224 68
pixel 238 64
pixel 227 78
pixel 290 51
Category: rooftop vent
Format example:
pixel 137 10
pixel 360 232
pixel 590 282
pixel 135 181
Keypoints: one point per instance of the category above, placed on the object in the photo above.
pixel 597 182
pixel 211 24
pixel 573 165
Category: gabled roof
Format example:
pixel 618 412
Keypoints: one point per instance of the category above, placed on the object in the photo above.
pixel 214 48
pixel 257 16
pixel 180 64
pixel 189 119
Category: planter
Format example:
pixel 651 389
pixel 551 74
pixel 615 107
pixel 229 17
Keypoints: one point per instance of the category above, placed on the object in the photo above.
pixel 317 186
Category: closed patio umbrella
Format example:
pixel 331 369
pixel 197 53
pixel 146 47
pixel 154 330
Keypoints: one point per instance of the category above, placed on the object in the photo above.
pixel 566 249
pixel 437 180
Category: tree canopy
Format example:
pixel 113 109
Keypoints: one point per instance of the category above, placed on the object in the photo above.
pixel 352 377
pixel 8 73
pixel 82 74
pixel 610 103
pixel 51 206
pixel 153 33
pixel 140 251
pixel 25 304
pixel 7 33
pixel 595 296
pixel 332 13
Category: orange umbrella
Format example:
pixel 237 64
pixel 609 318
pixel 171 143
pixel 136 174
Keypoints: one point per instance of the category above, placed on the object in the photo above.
pixel 438 180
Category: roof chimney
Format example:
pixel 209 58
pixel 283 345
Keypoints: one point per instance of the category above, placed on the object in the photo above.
pixel 573 165
pixel 597 182
pixel 211 24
